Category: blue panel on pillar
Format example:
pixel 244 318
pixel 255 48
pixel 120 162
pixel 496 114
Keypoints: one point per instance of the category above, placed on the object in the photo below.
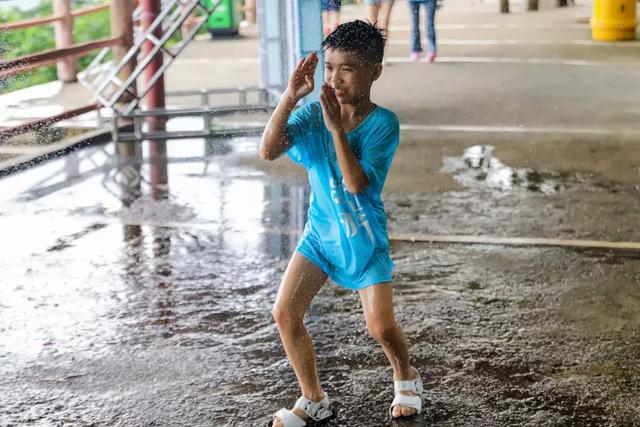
pixel 274 66
pixel 271 26
pixel 309 32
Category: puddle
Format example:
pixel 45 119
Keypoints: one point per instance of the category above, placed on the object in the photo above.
pixel 479 166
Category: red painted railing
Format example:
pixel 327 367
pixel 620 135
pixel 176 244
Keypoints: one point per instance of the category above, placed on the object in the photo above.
pixel 24 63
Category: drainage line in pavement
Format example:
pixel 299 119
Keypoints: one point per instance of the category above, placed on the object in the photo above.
pixel 216 227
pixel 515 241
pixel 432 238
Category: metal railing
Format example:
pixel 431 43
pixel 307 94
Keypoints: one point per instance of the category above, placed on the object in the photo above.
pixel 24 63
pixel 118 94
pixel 12 67
pixel 251 100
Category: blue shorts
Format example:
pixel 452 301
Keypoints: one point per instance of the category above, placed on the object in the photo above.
pixel 331 5
pixel 377 1
pixel 379 269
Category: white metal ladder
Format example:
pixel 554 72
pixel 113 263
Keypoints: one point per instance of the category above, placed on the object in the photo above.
pixel 110 90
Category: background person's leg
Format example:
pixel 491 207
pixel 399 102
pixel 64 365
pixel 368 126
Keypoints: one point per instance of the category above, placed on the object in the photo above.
pixel 371 10
pixel 302 281
pixel 430 6
pixel 416 47
pixel 325 17
pixel 337 5
pixel 385 16
pixel 335 19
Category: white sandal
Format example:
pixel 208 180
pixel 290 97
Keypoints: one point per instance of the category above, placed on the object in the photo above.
pixel 415 386
pixel 317 411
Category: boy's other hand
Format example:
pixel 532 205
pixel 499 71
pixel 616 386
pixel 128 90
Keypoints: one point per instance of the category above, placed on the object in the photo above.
pixel 301 81
pixel 330 109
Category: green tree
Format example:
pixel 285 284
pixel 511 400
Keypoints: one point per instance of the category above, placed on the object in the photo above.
pixel 25 41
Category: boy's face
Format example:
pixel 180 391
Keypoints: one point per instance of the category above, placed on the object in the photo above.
pixel 350 76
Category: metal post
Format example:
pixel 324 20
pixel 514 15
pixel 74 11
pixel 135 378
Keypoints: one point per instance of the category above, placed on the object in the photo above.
pixel 129 158
pixel 155 99
pixel 114 129
pixel 150 10
pixel 64 38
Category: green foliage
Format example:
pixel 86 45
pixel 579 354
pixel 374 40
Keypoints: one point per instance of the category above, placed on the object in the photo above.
pixel 91 27
pixel 21 42
pixel 30 40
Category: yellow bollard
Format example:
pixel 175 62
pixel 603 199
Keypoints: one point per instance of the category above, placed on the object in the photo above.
pixel 614 20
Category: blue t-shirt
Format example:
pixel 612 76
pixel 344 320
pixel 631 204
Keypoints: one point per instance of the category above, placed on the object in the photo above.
pixel 345 234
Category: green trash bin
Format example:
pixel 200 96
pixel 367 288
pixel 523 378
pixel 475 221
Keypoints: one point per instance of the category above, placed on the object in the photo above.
pixel 224 21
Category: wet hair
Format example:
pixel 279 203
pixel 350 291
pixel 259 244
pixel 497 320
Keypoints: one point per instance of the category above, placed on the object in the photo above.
pixel 363 38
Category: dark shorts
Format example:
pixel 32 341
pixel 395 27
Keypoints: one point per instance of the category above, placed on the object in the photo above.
pixel 331 5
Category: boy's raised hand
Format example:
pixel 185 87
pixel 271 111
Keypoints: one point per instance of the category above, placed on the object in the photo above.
pixel 330 109
pixel 301 80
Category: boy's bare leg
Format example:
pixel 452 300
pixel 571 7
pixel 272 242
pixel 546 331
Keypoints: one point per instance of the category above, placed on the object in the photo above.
pixel 302 281
pixel 377 304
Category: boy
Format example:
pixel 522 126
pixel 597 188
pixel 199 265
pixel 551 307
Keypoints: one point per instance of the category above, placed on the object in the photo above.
pixel 346 143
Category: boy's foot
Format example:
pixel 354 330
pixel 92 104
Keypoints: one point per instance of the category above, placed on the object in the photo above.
pixel 277 422
pixel 411 388
pixel 403 411
pixel 415 56
pixel 431 57
pixel 304 410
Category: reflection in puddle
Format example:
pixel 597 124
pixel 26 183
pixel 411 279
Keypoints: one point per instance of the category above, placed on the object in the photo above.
pixel 479 165
pixel 170 249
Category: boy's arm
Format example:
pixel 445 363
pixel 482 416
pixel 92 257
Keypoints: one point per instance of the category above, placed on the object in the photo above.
pixel 274 140
pixel 353 175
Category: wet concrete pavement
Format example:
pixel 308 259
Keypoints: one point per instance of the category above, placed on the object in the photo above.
pixel 119 308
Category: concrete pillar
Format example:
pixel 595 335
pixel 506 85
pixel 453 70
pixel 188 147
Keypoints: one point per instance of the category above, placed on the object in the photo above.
pixel 64 38
pixel 122 26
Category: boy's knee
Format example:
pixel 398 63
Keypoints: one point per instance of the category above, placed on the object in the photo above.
pixel 284 317
pixel 382 330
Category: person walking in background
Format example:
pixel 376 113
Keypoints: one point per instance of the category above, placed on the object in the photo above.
pixel 330 15
pixel 416 44
pixel 379 12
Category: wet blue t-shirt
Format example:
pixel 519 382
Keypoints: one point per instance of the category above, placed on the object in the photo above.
pixel 345 234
